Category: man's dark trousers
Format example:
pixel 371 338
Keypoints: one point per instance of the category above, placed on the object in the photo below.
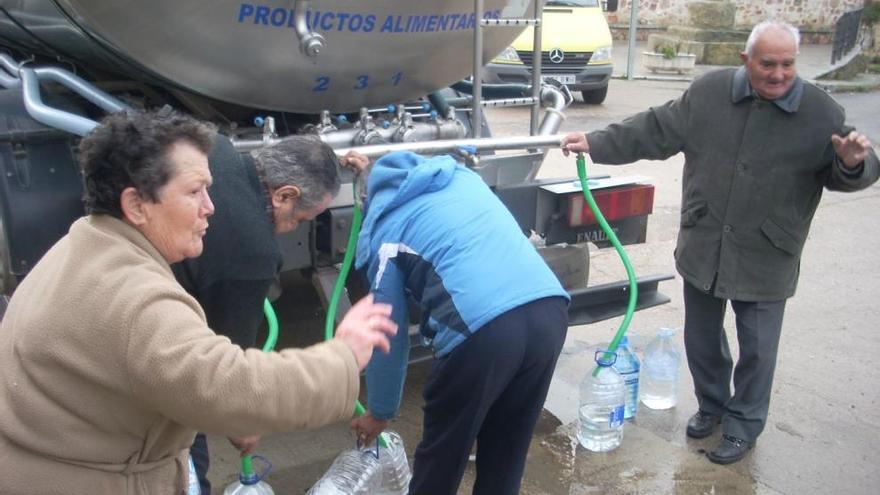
pixel 201 461
pixel 758 326
pixel 491 388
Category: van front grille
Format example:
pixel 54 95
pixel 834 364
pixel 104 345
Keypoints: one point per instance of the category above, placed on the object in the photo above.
pixel 572 62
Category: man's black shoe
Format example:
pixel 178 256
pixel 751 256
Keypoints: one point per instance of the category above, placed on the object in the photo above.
pixel 731 449
pixel 702 424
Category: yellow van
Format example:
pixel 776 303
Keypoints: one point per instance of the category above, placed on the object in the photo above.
pixel 576 50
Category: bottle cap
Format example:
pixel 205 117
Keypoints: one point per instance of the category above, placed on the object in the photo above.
pixel 605 358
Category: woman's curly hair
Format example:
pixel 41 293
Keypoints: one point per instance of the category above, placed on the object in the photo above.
pixel 130 149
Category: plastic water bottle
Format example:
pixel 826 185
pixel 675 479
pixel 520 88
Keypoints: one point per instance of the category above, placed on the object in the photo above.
pixel 627 365
pixel 192 485
pixel 600 418
pixel 353 472
pixel 395 468
pixel 244 488
pixel 251 483
pixel 660 370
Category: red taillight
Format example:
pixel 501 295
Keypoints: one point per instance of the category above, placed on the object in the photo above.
pixel 615 204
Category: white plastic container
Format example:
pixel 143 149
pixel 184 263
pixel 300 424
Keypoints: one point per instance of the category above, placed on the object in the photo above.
pixel 661 367
pixel 628 366
pixel 192 485
pixel 396 473
pixel 600 417
pixel 240 488
pixel 353 472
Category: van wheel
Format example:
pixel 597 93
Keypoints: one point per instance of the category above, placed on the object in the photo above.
pixel 595 96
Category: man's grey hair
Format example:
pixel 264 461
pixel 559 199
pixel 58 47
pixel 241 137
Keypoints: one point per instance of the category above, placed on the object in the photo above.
pixel 302 161
pixel 758 30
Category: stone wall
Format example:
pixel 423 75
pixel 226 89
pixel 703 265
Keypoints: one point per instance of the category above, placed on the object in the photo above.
pixel 815 18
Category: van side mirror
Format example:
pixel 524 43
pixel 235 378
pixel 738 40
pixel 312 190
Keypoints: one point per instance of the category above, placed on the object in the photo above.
pixel 609 5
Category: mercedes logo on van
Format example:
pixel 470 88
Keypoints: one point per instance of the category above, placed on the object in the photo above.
pixel 557 56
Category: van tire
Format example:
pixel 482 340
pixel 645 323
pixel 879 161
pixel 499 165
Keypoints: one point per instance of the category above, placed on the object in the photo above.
pixel 594 96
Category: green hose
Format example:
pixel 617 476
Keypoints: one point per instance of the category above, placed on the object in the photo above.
pixel 272 322
pixel 247 462
pixel 630 273
pixel 357 218
pixel 350 250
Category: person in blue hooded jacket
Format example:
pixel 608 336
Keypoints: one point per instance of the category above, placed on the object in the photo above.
pixel 494 313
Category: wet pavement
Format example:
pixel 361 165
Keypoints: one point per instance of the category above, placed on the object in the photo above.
pixel 824 426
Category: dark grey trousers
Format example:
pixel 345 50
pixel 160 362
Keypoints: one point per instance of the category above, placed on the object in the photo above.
pixel 758 326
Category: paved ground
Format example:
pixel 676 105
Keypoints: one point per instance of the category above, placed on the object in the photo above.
pixel 824 423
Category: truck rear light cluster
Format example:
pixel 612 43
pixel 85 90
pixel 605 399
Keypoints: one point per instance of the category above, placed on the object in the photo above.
pixel 615 203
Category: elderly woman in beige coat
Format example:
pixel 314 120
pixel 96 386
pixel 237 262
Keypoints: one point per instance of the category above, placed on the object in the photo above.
pixel 107 367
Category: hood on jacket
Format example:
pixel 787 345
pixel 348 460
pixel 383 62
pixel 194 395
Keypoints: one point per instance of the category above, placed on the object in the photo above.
pixel 395 179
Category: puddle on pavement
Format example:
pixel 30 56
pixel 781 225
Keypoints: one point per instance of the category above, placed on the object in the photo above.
pixel 644 463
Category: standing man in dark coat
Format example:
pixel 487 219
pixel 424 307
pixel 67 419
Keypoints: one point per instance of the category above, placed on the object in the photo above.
pixel 760 144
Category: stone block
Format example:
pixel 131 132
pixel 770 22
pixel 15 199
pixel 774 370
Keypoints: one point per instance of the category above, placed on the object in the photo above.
pixel 707 35
pixel 706 14
pixel 722 53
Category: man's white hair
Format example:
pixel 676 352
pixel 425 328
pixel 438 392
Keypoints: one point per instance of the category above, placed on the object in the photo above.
pixel 758 30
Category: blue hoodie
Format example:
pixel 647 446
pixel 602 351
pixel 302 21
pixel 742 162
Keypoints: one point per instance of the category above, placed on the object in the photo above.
pixel 434 233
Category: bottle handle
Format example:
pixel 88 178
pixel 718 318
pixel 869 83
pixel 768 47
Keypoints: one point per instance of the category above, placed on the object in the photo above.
pixel 364 448
pixel 266 465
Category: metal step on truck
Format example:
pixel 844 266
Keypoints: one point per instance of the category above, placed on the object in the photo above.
pixel 373 76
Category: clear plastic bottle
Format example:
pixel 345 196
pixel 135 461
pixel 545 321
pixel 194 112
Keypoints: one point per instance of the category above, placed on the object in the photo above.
pixel 251 486
pixel 627 365
pixel 353 472
pixel 661 366
pixel 600 418
pixel 192 485
pixel 249 482
pixel 395 467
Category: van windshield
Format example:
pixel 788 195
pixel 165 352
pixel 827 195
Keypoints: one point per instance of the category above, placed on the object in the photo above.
pixel 572 3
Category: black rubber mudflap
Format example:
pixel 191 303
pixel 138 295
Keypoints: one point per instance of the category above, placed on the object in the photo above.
pixel 40 185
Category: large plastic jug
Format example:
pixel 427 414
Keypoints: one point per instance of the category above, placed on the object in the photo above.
pixel 628 366
pixel 660 371
pixel 600 417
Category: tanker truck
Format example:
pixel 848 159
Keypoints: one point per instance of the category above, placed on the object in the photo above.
pixel 374 76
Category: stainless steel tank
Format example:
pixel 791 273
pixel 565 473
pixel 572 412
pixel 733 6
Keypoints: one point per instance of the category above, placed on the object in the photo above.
pixel 254 53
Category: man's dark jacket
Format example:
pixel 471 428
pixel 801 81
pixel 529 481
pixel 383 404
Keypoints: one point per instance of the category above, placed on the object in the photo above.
pixel 753 177
pixel 241 256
